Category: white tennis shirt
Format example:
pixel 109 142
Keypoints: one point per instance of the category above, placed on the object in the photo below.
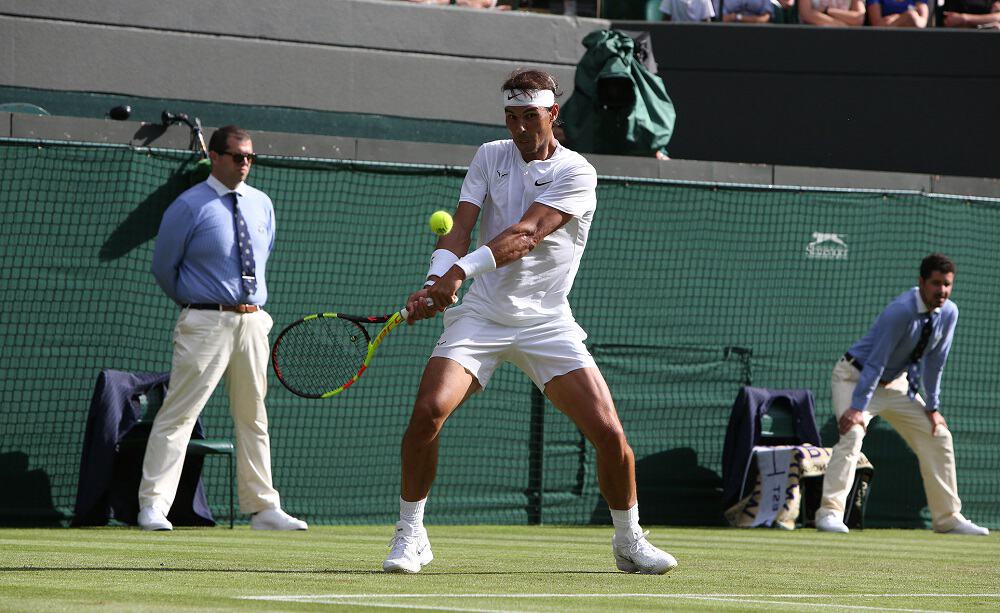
pixel 536 287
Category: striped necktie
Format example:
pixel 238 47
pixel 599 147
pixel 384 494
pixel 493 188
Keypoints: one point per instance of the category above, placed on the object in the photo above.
pixel 247 267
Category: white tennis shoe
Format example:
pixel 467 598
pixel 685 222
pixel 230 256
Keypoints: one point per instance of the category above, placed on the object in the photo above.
pixel 410 550
pixel 151 518
pixel 639 556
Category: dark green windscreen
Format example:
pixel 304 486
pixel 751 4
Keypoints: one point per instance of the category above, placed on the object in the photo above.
pixel 687 291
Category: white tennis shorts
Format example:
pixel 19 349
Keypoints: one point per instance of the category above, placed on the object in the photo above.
pixel 542 351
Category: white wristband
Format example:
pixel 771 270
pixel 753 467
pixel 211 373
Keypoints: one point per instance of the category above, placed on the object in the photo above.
pixel 441 261
pixel 476 263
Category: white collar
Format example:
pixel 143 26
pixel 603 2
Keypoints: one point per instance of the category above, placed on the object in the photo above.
pixel 921 307
pixel 522 164
pixel 222 190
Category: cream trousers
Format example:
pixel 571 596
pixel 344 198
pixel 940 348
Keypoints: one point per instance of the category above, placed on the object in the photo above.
pixel 209 346
pixel 935 452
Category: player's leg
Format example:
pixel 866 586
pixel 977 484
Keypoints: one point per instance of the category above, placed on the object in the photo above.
pixel 584 397
pixel 246 382
pixel 839 476
pixel 461 364
pixel 936 455
pixel 201 353
pixel 444 386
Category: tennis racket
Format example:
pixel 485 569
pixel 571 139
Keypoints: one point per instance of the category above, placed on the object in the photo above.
pixel 323 354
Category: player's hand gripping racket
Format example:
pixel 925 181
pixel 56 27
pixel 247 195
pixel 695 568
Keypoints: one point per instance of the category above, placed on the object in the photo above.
pixel 323 354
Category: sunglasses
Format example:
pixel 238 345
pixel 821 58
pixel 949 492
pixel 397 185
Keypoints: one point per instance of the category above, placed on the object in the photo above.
pixel 239 158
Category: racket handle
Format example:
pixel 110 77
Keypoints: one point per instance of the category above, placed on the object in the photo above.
pixel 405 314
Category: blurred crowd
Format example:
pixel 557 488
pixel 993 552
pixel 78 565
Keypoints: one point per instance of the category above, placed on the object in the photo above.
pixel 840 13
pixel 981 14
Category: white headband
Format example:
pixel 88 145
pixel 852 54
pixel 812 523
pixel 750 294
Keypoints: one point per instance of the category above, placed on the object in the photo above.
pixel 543 98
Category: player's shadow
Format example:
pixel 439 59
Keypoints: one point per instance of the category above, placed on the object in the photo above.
pixel 896 494
pixel 143 222
pixel 27 494
pixel 673 490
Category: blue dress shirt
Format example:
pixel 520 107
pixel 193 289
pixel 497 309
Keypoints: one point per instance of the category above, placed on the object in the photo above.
pixel 748 7
pixel 196 258
pixel 886 348
pixel 892 7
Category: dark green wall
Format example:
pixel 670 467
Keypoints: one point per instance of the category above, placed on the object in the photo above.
pixel 674 274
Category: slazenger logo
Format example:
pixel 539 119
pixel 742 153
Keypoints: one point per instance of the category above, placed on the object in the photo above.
pixel 827 246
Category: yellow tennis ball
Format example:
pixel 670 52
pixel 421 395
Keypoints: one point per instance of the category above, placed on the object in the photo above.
pixel 441 222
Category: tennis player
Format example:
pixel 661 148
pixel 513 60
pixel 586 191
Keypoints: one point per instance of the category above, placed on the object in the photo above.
pixel 537 201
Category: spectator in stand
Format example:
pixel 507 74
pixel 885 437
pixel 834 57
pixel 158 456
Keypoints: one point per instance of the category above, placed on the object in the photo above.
pixel 687 10
pixel 476 4
pixel 832 13
pixel 749 11
pixel 981 14
pixel 898 13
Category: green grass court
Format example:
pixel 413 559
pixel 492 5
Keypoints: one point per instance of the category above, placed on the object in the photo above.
pixel 494 568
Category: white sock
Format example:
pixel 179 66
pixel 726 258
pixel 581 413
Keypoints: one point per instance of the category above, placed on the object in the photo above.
pixel 412 513
pixel 626 523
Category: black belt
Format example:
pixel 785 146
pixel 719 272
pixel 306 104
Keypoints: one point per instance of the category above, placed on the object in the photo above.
pixel 853 361
pixel 236 308
pixel 856 363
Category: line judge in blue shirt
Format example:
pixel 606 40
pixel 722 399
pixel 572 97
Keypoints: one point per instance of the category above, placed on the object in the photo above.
pixel 210 258
pixel 881 374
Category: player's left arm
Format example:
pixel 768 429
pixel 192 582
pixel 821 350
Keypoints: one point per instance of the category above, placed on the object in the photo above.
pixel 517 241
pixel 512 244
pixel 570 194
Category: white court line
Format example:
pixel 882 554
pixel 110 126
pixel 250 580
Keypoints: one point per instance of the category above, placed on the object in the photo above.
pixel 354 599
pixel 385 605
pixel 815 604
pixel 307 597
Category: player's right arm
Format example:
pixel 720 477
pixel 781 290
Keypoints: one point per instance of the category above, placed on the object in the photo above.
pixel 456 242
pixel 460 238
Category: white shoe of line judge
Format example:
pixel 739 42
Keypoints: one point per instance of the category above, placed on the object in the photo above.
pixel 151 518
pixel 276 519
pixel 829 523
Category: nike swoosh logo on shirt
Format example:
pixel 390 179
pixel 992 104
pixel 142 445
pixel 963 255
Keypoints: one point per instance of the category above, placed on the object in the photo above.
pixel 543 182
pixel 502 175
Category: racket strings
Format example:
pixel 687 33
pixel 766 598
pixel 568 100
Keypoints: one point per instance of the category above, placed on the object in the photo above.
pixel 322 354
